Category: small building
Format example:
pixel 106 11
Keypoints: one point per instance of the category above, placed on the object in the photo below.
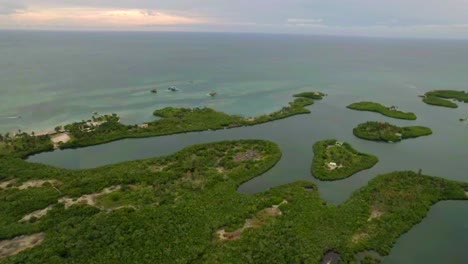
pixel 339 144
pixel 143 126
pixel 332 165
pixel 398 135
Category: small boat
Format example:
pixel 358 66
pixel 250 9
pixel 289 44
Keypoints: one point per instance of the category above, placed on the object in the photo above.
pixel 173 89
pixel 213 94
pixel 154 91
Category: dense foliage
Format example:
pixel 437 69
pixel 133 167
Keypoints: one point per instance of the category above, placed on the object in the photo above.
pixel 387 111
pixel 23 144
pixel 438 97
pixel 349 160
pixel 169 209
pixel 382 131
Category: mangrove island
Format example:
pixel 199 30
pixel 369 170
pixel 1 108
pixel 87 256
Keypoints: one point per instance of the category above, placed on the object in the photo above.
pixel 391 111
pixel 335 160
pixel 383 131
pixel 439 98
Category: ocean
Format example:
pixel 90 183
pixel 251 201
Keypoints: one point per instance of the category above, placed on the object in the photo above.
pixel 52 78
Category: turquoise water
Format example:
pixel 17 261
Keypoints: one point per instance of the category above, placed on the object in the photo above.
pixel 56 78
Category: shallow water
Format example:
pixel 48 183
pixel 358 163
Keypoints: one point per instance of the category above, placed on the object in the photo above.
pixel 57 78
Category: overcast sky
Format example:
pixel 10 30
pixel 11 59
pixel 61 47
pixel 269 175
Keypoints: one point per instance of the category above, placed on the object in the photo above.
pixel 390 18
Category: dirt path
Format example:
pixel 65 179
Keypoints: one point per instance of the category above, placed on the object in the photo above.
pixel 28 184
pixel 256 221
pixel 16 245
pixel 6 184
pixel 36 214
pixel 89 199
pixel 375 214
pixel 60 138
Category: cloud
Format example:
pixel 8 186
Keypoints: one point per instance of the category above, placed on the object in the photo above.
pixel 302 22
pixel 90 17
pixel 10 8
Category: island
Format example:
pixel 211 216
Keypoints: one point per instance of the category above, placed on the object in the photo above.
pixel 335 160
pixel 391 111
pixel 106 128
pixel 386 132
pixel 439 98
pixel 311 95
pixel 185 208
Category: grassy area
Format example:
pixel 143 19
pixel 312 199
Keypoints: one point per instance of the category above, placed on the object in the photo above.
pixel 382 131
pixel 311 95
pixel 386 111
pixel 348 161
pixel 438 97
pixel 174 207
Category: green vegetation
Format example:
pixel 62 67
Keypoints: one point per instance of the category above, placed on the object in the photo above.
pixel 387 111
pixel 23 144
pixel 382 131
pixel 438 97
pixel 311 95
pixel 171 209
pixel 335 160
pixel 432 100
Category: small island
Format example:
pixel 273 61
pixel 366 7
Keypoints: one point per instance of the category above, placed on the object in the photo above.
pixel 391 111
pixel 386 132
pixel 439 98
pixel 335 160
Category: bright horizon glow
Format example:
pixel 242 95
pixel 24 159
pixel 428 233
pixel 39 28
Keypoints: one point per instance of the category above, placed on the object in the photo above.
pixel 396 18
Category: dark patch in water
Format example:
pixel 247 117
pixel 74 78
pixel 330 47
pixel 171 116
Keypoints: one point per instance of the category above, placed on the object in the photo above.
pixel 331 257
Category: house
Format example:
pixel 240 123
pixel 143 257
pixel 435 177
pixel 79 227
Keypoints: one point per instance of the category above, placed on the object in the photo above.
pixel 332 165
pixel 339 144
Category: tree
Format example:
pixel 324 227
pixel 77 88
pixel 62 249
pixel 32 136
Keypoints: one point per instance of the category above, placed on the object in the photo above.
pixel 58 128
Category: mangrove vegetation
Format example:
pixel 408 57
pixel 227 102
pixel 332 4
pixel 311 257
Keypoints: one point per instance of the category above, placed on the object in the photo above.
pixel 185 208
pixel 439 98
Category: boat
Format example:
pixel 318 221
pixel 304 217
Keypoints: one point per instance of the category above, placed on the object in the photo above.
pixel 213 94
pixel 154 91
pixel 173 89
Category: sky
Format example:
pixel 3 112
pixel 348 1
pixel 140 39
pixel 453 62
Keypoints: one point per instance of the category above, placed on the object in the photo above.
pixel 380 18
